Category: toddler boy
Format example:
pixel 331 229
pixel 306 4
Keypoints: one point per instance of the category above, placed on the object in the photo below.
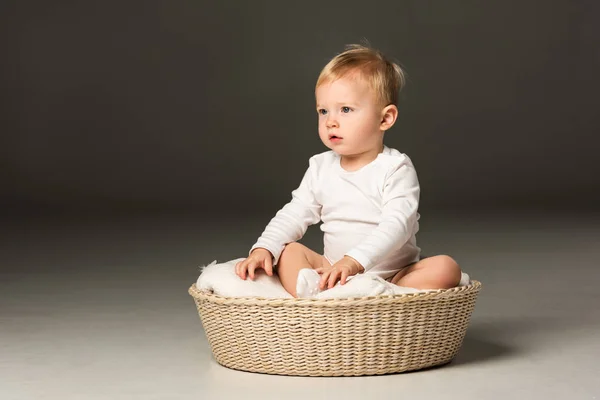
pixel 365 193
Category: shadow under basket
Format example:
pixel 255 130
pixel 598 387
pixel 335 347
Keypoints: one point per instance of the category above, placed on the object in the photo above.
pixel 337 337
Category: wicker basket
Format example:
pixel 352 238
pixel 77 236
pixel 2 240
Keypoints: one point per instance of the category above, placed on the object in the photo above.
pixel 337 337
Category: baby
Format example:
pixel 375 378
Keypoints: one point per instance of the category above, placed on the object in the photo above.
pixel 365 193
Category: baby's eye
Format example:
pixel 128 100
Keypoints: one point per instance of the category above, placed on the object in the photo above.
pixel 346 109
pixel 322 111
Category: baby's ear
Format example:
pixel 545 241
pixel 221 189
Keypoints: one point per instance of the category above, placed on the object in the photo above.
pixel 388 118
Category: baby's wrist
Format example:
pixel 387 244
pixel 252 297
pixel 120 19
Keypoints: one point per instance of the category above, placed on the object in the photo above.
pixel 357 265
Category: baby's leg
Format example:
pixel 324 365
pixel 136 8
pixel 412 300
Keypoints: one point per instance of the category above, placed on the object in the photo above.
pixel 296 256
pixel 437 272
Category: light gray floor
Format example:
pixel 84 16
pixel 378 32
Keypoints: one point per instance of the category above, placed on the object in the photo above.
pixel 98 309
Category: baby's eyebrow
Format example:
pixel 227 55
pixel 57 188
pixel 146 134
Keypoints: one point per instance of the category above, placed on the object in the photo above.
pixel 345 103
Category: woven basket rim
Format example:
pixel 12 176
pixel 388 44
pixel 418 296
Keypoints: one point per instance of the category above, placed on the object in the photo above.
pixel 473 286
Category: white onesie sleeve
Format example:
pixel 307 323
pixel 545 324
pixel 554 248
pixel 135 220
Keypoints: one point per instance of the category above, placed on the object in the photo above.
pixel 291 222
pixel 400 202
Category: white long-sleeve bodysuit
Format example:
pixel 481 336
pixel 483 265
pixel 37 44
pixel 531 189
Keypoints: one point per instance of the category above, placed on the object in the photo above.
pixel 369 214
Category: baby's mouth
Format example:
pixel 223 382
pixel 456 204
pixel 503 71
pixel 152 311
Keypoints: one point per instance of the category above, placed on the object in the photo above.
pixel 334 137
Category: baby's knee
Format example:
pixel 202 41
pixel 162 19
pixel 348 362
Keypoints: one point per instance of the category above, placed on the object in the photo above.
pixel 449 272
pixel 292 247
pixel 290 250
pixel 290 254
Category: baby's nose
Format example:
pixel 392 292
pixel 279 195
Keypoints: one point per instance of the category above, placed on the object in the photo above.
pixel 331 122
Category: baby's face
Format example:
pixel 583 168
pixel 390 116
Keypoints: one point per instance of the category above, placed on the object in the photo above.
pixel 349 117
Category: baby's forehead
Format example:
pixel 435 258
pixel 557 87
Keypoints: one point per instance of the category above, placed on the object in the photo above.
pixel 345 87
pixel 349 81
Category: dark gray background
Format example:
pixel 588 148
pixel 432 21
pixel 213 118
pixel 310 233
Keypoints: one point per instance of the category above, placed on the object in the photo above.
pixel 140 140
pixel 208 107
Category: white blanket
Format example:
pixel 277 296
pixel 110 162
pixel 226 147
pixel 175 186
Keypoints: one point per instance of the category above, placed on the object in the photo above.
pixel 221 279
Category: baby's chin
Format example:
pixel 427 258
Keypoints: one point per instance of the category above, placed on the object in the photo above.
pixel 334 148
pixel 340 147
pixel 337 150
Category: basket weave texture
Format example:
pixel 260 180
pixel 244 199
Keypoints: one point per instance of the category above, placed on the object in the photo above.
pixel 337 337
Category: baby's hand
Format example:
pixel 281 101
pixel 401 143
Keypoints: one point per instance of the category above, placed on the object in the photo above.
pixel 259 258
pixel 341 270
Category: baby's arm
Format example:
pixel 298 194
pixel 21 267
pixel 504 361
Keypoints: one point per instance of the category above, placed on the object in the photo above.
pixel 399 214
pixel 291 222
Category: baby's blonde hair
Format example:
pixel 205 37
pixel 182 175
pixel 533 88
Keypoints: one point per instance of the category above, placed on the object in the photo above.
pixel 385 77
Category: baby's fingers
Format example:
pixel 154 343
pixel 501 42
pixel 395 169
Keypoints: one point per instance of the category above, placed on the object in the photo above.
pixel 252 265
pixel 323 281
pixel 345 275
pixel 240 269
pixel 268 263
pixel 333 278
